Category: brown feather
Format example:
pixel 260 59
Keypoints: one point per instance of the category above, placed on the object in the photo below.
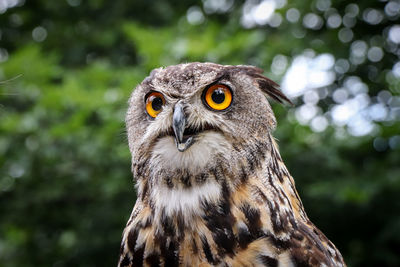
pixel 230 200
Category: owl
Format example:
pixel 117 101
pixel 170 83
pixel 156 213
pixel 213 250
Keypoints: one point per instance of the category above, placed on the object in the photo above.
pixel 212 188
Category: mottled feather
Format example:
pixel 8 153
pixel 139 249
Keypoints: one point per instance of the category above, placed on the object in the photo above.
pixel 228 199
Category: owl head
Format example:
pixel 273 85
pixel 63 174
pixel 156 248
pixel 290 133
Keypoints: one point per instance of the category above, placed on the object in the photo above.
pixel 190 117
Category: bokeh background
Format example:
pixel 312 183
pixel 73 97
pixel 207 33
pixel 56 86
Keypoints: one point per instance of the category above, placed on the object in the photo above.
pixel 66 71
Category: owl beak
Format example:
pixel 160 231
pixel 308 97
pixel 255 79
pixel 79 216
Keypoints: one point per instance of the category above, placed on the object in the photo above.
pixel 178 124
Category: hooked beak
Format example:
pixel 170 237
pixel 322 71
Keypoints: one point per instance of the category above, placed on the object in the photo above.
pixel 178 124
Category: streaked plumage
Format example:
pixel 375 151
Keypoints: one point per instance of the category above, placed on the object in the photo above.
pixel 216 192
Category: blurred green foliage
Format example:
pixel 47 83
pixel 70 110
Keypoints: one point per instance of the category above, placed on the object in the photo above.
pixel 68 68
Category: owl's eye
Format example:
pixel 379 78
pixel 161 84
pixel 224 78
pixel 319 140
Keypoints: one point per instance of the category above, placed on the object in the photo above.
pixel 154 103
pixel 217 97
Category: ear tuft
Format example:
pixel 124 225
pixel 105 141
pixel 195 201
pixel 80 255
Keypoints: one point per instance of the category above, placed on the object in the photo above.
pixel 266 85
pixel 271 89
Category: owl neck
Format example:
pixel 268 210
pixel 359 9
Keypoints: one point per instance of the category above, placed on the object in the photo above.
pixel 259 179
pixel 218 215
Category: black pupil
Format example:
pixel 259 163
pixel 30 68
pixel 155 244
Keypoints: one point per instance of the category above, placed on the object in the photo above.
pixel 157 103
pixel 218 96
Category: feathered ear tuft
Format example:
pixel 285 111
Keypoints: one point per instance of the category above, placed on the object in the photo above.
pixel 266 85
pixel 271 88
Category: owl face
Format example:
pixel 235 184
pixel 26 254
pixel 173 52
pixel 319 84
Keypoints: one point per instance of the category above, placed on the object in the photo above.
pixel 188 116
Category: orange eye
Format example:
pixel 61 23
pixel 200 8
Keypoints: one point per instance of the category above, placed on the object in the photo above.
pixel 154 103
pixel 218 97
